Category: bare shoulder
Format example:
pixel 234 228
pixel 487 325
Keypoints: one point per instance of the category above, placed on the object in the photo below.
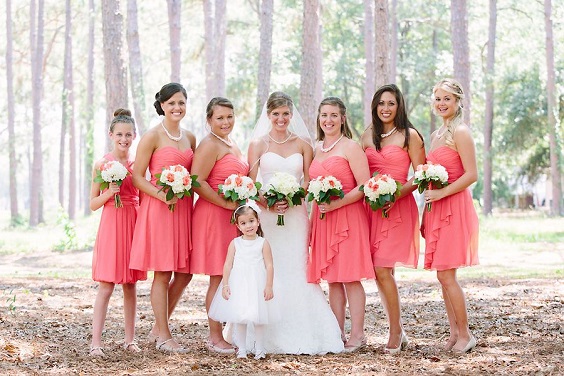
pixel 414 135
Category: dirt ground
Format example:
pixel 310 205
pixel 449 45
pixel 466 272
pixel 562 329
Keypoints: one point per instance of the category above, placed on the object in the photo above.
pixel 45 325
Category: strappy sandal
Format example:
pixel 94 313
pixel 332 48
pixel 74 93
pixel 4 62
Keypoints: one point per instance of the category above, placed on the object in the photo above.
pixel 167 348
pixel 131 347
pixel 96 351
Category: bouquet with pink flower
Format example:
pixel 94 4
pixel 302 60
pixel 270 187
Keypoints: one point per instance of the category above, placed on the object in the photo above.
pixel 283 186
pixel 176 181
pixel 239 188
pixel 379 190
pixel 323 189
pixel 429 176
pixel 111 172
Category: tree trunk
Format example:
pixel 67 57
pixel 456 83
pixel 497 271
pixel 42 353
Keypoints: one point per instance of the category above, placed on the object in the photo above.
pixel 36 185
pixel 13 164
pixel 369 41
pixel 135 66
pixel 460 50
pixel 311 56
pixel 552 110
pixel 265 54
pixel 114 67
pixel 489 115
pixel 174 13
pixel 382 55
pixel 220 33
pixel 394 42
pixel 89 112
pixel 209 48
pixel 435 54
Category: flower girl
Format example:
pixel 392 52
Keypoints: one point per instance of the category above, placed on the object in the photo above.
pixel 246 293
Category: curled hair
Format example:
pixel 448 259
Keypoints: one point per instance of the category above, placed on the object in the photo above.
pixel 279 99
pixel 401 121
pixel 334 101
pixel 166 92
pixel 243 210
pixel 122 115
pixel 453 87
pixel 217 101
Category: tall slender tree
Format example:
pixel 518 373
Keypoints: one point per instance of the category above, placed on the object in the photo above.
pixel 89 108
pixel 37 50
pixel 460 50
pixel 114 66
pixel 209 48
pixel 382 54
pixel 369 68
pixel 14 212
pixel 552 110
pixel 311 56
pixel 135 66
pixel 174 25
pixel 489 115
pixel 394 41
pixel 68 113
pixel 265 53
pixel 220 33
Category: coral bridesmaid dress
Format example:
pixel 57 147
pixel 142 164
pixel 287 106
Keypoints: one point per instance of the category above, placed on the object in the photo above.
pixel 394 241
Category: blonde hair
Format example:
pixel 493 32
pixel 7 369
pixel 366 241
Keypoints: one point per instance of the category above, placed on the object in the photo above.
pixel 455 88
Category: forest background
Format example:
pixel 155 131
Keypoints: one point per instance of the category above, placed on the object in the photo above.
pixel 69 64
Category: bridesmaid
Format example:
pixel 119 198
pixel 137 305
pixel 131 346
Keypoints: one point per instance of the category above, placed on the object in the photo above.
pixel 451 227
pixel 216 157
pixel 162 239
pixel 339 242
pixel 392 144
pixel 110 261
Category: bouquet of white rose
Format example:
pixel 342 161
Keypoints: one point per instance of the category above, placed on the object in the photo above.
pixel 283 186
pixel 379 190
pixel 429 176
pixel 111 172
pixel 176 181
pixel 323 188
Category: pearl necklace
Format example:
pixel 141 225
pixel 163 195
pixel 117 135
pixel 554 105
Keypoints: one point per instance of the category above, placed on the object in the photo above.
pixel 328 149
pixel 173 138
pixel 280 142
pixel 227 142
pixel 384 135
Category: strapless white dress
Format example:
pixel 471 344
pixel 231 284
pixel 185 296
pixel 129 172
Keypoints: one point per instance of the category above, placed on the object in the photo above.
pixel 306 325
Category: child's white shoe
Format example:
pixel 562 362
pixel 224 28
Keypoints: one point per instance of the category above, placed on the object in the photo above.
pixel 242 354
pixel 260 355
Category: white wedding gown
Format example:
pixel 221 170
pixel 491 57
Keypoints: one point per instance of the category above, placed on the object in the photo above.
pixel 307 325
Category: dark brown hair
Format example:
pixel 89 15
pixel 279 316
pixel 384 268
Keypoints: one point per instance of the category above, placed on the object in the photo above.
pixel 246 209
pixel 334 101
pixel 166 92
pixel 122 115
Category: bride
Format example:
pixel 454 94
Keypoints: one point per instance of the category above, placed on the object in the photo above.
pixel 281 143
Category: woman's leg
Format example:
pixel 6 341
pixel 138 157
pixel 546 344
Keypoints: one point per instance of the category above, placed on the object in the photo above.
pixel 216 335
pixel 455 303
pixel 129 311
pixel 175 290
pixel 357 305
pixel 338 303
pixel 105 290
pixel 390 300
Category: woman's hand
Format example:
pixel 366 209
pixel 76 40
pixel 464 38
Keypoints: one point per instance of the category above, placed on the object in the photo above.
pixel 281 206
pixel 434 194
pixel 332 205
pixel 387 207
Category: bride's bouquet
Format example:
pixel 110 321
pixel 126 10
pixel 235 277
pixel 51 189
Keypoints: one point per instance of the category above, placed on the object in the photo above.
pixel 176 181
pixel 283 186
pixel 111 172
pixel 429 176
pixel 239 188
pixel 323 188
pixel 379 190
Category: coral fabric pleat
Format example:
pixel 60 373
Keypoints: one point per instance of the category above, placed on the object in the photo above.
pixel 451 227
pixel 162 239
pixel 394 241
pixel 340 249
pixel 112 249
pixel 212 231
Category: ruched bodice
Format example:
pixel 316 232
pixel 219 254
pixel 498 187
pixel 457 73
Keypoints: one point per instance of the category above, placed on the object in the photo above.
pixel 336 166
pixel 168 156
pixel 271 163
pixel 391 160
pixel 227 165
pixel 449 159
